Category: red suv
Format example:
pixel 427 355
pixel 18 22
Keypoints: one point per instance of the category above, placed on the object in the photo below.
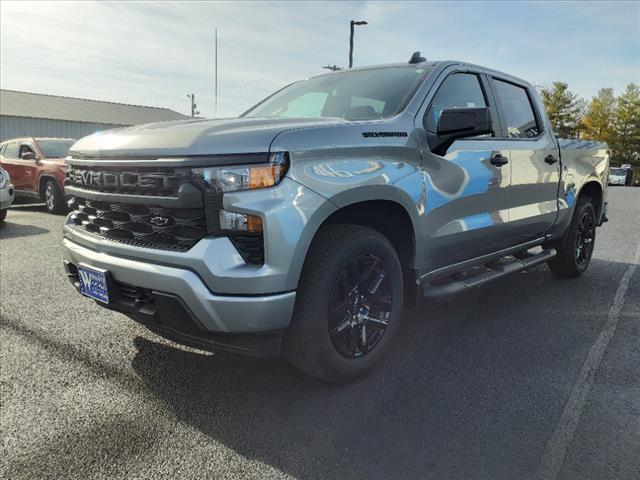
pixel 36 166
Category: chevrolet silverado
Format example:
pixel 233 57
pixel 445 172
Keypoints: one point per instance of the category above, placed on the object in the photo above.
pixel 308 224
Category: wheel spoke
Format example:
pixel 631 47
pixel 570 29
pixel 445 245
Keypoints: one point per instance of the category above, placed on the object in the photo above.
pixel 353 342
pixel 354 273
pixel 347 287
pixel 373 288
pixel 345 323
pixel 383 320
pixel 370 269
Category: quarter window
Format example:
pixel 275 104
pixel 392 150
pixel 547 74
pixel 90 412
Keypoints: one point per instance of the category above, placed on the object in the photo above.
pixel 518 111
pixel 460 90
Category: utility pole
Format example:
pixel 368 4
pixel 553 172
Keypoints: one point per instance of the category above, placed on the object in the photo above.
pixel 215 108
pixel 194 111
pixel 333 68
pixel 352 25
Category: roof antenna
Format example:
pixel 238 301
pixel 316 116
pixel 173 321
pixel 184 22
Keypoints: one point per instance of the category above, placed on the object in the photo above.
pixel 416 58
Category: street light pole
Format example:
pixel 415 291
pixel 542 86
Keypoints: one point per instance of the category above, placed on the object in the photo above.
pixel 352 25
pixel 194 110
pixel 215 108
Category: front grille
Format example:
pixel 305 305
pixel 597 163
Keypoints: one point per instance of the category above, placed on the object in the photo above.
pixel 160 182
pixel 151 207
pixel 142 225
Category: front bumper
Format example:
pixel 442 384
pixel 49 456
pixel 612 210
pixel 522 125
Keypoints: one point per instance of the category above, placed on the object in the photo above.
pixel 211 313
pixel 7 195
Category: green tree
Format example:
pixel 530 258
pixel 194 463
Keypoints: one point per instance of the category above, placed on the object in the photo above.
pixel 564 109
pixel 625 142
pixel 598 121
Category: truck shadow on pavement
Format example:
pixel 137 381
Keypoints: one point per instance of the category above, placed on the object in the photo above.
pixel 13 230
pixel 491 365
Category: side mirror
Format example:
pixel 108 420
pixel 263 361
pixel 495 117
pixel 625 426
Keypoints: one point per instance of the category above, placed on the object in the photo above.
pixel 457 123
pixel 27 156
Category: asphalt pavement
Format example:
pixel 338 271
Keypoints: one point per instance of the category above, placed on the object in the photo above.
pixel 534 377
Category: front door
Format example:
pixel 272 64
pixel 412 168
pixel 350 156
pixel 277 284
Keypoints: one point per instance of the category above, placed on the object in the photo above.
pixel 14 165
pixel 465 205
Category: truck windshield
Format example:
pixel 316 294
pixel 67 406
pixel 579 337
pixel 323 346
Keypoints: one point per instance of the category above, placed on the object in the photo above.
pixel 617 171
pixel 352 95
pixel 55 148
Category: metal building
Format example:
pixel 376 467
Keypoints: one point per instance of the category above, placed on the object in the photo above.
pixel 25 114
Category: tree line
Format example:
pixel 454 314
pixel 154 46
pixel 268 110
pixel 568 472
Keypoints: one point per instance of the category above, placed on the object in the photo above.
pixel 606 118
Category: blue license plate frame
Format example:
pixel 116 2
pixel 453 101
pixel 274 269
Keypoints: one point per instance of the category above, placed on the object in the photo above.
pixel 94 283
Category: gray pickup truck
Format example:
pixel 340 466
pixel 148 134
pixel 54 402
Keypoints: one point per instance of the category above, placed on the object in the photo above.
pixel 307 225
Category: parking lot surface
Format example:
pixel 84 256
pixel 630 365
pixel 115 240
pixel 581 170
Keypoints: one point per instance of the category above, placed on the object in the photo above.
pixel 535 377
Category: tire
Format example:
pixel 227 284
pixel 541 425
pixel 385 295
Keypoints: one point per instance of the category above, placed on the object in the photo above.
pixel 575 248
pixel 53 198
pixel 355 272
pixel 3 214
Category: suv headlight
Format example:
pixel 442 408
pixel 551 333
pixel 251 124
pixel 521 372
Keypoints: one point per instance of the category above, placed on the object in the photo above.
pixel 234 178
pixel 5 179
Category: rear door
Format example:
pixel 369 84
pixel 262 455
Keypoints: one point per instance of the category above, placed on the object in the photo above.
pixel 29 168
pixel 466 207
pixel 535 165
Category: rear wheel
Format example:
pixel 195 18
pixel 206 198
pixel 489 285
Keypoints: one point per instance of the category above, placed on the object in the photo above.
pixel 53 198
pixel 349 304
pixel 576 247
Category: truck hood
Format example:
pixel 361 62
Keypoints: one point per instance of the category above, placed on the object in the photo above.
pixel 192 137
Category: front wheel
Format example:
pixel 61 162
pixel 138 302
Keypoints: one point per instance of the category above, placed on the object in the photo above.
pixel 53 198
pixel 348 306
pixel 575 248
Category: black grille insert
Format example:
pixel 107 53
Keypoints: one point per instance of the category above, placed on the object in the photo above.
pixel 143 225
pixel 251 247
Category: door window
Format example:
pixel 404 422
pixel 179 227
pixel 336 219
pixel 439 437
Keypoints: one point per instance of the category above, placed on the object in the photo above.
pixel 460 90
pixel 518 111
pixel 12 150
pixel 25 148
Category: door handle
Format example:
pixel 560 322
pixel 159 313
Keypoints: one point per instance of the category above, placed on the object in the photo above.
pixel 550 159
pixel 498 159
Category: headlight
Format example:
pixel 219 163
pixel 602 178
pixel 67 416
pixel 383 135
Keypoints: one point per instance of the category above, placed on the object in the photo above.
pixel 234 178
pixel 4 178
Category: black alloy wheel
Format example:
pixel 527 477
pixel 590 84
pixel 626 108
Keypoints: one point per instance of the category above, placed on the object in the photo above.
pixel 575 248
pixel 584 238
pixel 360 306
pixel 348 304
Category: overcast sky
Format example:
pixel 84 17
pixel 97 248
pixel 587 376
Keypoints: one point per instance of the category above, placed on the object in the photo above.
pixel 155 53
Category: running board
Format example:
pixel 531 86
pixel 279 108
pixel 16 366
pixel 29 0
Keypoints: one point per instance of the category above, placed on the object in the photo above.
pixel 492 271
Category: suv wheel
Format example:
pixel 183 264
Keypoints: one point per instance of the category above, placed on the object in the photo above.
pixel 53 198
pixel 348 306
pixel 576 246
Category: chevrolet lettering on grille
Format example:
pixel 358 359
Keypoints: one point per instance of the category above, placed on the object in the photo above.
pixel 134 180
